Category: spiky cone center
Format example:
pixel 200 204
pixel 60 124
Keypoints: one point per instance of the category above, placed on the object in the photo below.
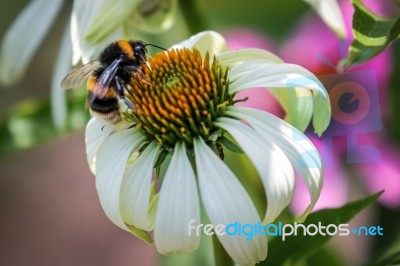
pixel 178 95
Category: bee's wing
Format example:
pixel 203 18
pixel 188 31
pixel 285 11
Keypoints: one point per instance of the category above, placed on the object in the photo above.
pixel 77 75
pixel 105 79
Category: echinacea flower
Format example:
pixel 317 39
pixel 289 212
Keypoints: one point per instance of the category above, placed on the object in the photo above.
pixel 185 109
pixel 93 24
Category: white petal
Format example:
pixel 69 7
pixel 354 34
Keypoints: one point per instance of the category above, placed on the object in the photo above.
pixel 258 73
pixel 96 133
pixel 136 189
pixel 206 41
pixel 110 166
pixel 330 13
pixel 24 36
pixel 111 15
pixel 321 114
pixel 235 57
pixel 153 16
pixel 83 14
pixel 63 65
pixel 177 206
pixel 299 149
pixel 298 105
pixel 272 75
pixel 226 202
pixel 271 163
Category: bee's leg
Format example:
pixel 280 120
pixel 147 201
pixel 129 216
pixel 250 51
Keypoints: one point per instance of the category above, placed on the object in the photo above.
pixel 121 94
pixel 132 68
pixel 136 70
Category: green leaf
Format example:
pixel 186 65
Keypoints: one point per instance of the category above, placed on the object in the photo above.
pixel 372 34
pixel 392 259
pixel 160 159
pixel 325 256
pixel 231 145
pixel 296 248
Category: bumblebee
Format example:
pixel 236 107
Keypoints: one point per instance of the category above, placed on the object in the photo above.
pixel 108 76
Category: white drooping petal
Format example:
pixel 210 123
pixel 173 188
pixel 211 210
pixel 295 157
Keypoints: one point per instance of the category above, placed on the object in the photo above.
pixel 302 154
pixel 153 16
pixel 136 189
pixel 235 57
pixel 298 105
pixel 226 202
pixel 258 73
pixel 63 65
pixel 177 206
pixel 111 161
pixel 273 76
pixel 83 15
pixel 206 41
pixel 111 15
pixel 330 13
pixel 95 135
pixel 24 36
pixel 321 114
pixel 271 163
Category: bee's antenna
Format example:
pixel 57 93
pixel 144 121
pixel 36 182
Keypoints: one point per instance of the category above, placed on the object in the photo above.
pixel 159 47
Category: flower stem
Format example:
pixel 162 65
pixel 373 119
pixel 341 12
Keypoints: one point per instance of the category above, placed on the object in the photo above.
pixel 221 257
pixel 193 17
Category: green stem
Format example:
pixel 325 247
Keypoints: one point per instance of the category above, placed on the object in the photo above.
pixel 221 257
pixel 194 18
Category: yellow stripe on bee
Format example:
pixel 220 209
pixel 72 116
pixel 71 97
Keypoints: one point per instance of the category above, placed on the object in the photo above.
pixel 91 83
pixel 126 48
pixel 108 92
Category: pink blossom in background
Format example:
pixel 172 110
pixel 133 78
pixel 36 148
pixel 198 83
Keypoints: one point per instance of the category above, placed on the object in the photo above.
pixel 239 38
pixel 383 175
pixel 314 46
pixel 334 190
pixel 322 54
pixel 257 98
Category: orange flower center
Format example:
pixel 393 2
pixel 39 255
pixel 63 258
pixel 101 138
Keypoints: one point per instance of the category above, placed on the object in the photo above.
pixel 178 95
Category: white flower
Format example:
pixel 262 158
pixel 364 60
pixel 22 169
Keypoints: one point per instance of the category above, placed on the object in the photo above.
pixel 184 107
pixel 93 24
pixel 330 13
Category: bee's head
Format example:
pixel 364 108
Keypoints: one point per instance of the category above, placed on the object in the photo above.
pixel 131 53
pixel 139 50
